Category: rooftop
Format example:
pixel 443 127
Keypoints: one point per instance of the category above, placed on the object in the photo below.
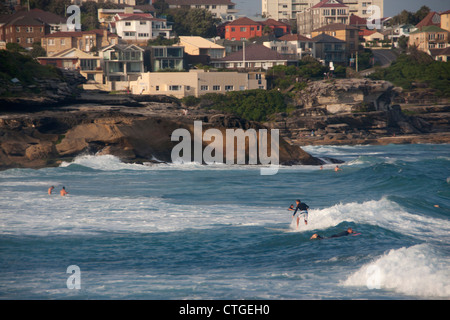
pixel 254 52
pixel 330 4
pixel 325 38
pixel 199 42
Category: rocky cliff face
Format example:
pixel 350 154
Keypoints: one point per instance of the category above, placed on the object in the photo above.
pixel 347 111
pixel 133 134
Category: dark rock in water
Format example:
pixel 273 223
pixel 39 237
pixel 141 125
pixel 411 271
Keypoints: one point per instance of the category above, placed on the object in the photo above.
pixel 133 134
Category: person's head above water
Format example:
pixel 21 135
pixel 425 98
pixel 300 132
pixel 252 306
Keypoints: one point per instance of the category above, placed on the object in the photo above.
pixel 298 201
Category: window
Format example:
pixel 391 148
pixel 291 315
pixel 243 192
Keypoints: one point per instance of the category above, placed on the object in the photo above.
pixel 229 88
pixel 127 24
pixel 216 88
pixel 243 29
pixel 90 76
pixel 233 29
pixel 17 29
pixel 63 42
pixel 51 42
pixel 29 40
pixel 29 29
pixel 143 23
pixel 157 88
pixel 18 40
pixel 204 88
pixel 174 88
pixel 159 52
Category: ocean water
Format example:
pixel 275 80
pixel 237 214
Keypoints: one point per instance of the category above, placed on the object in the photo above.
pixel 223 232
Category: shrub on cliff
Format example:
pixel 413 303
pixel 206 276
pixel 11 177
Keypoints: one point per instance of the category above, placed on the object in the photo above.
pixel 417 66
pixel 24 68
pixel 255 105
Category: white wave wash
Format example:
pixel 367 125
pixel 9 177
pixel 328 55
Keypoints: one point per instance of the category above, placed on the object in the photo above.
pixel 415 271
pixel 383 213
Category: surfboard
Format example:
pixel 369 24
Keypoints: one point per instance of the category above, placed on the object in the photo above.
pixel 279 229
pixel 356 234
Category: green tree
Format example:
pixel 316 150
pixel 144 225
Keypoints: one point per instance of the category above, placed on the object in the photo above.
pixel 193 22
pixel 37 50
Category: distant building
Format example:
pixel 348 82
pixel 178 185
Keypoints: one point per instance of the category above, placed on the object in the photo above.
pixel 330 49
pixel 288 9
pixel 28 27
pixel 442 54
pixel 429 37
pixel 139 27
pixel 83 40
pixel 127 2
pixel 445 20
pixel 87 64
pixel 161 58
pixel 196 82
pixel 304 46
pixel 195 46
pixel 121 64
pixel 245 28
pixel 343 32
pixel 254 57
pixel 106 16
pixel 323 13
pixel 221 9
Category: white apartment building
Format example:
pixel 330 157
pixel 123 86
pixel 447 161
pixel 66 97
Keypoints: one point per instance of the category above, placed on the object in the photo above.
pixel 221 9
pixel 196 82
pixel 288 9
pixel 139 27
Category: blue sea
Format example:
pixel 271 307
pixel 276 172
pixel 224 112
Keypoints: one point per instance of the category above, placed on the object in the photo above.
pixel 188 231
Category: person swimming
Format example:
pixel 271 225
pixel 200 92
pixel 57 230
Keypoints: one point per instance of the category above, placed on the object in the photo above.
pixel 302 209
pixel 63 192
pixel 50 189
pixel 337 235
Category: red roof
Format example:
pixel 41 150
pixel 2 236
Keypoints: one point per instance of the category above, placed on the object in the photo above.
pixel 244 21
pixel 366 32
pixel 330 4
pixel 357 21
pixel 294 37
pixel 432 19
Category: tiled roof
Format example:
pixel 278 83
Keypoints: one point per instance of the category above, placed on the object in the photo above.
pixel 325 38
pixel 330 4
pixel 294 37
pixel 432 19
pixel 244 21
pixel 255 52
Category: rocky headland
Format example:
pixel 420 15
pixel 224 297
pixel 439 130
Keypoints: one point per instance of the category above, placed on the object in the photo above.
pixel 36 132
pixel 361 111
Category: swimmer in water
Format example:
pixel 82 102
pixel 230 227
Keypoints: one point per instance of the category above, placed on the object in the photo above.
pixel 337 235
pixel 50 189
pixel 63 192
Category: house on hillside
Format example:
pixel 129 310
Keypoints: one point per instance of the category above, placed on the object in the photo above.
pixel 254 57
pixel 330 49
pixel 221 9
pixel 196 82
pixel 304 46
pixel 194 45
pixel 122 63
pixel 321 14
pixel 140 27
pixel 343 32
pixel 83 40
pixel 28 27
pixel 87 64
pixel 429 37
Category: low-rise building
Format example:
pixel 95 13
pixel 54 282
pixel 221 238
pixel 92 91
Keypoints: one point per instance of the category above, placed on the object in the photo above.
pixel 330 49
pixel 195 46
pixel 221 9
pixel 304 46
pixel 254 57
pixel 87 64
pixel 83 40
pixel 323 13
pixel 429 37
pixel 161 58
pixel 122 63
pixel 140 27
pixel 245 28
pixel 28 27
pixel 343 32
pixel 196 83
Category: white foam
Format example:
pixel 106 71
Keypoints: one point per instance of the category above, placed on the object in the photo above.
pixel 417 271
pixel 383 213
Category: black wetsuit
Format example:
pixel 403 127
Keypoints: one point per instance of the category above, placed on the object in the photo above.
pixel 340 234
pixel 302 207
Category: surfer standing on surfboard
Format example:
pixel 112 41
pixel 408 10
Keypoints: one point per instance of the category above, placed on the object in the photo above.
pixel 302 209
